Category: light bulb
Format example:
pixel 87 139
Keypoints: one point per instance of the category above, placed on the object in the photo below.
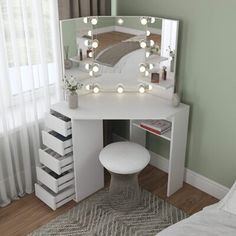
pixel 152 43
pixel 148 33
pixel 91 73
pixel 90 54
pixel 120 21
pixel 143 44
pixel 94 21
pixel 146 73
pixel 87 87
pixel 120 89
pixel 95 68
pixel 142 68
pixel 143 20
pixel 152 20
pixel 86 20
pixel 148 54
pixel 86 42
pixel 95 43
pixel 96 89
pixel 87 66
pixel 149 87
pixel 150 66
pixel 141 89
pixel 90 33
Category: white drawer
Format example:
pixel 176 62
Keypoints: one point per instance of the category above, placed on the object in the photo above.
pixel 56 162
pixel 52 199
pixel 57 142
pixel 61 124
pixel 53 181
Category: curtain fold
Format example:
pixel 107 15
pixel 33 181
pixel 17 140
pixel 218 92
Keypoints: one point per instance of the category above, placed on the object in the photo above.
pixel 79 8
pixel 29 84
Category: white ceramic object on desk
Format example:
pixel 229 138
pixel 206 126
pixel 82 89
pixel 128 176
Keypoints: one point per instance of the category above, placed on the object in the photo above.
pixel 73 100
pixel 175 100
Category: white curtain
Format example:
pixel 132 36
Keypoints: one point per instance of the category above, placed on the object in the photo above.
pixel 29 84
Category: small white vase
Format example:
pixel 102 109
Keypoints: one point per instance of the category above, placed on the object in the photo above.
pixel 175 100
pixel 73 100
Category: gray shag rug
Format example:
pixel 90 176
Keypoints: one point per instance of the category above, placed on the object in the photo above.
pixel 95 217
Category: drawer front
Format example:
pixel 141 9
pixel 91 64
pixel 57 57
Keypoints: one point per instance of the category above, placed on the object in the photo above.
pixel 53 181
pixel 51 199
pixel 59 123
pixel 57 142
pixel 59 164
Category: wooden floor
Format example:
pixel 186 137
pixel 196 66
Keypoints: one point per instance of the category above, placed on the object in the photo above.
pixel 29 213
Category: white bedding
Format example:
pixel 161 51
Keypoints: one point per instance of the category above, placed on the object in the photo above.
pixel 211 221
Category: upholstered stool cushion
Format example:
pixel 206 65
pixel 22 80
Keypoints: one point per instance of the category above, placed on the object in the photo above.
pixel 124 157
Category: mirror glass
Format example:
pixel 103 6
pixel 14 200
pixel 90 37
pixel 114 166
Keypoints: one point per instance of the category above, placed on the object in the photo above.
pixel 126 51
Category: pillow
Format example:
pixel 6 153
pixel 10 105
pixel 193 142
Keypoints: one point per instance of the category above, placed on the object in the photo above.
pixel 228 203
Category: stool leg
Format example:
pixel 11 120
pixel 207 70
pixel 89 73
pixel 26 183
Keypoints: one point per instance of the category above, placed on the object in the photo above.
pixel 124 192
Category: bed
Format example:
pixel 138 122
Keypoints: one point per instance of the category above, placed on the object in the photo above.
pixel 216 220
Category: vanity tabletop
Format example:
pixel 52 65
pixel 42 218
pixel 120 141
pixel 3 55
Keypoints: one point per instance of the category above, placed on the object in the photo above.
pixel 126 106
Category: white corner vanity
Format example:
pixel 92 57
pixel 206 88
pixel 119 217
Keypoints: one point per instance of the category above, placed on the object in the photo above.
pixel 69 165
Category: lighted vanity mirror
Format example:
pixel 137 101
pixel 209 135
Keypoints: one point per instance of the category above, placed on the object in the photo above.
pixel 122 51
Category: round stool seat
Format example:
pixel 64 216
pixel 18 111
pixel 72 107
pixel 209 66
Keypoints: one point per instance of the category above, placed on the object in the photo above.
pixel 124 157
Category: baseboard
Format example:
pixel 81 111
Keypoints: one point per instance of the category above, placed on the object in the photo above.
pixel 198 181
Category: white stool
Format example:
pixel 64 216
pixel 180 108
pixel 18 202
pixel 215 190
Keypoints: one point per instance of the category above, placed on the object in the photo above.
pixel 124 160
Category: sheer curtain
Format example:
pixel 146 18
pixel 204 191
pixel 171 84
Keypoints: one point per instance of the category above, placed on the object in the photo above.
pixel 29 84
pixel 77 8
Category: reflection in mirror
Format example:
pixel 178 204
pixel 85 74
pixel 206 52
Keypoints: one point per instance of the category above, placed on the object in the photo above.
pixel 125 53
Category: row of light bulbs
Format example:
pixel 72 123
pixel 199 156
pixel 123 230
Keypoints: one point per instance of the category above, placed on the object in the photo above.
pixel 95 88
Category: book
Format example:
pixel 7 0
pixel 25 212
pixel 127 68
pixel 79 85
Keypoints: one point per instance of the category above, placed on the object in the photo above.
pixel 156 126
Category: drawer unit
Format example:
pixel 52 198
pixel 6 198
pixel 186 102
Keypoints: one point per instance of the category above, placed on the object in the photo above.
pixel 59 123
pixel 53 181
pixel 57 142
pixel 52 199
pixel 59 164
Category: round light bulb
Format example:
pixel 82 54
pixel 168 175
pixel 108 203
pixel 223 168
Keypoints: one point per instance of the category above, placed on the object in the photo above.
pixel 152 43
pixel 85 20
pixel 96 89
pixel 142 68
pixel 90 33
pixel 141 89
pixel 90 54
pixel 120 89
pixel 143 21
pixel 86 42
pixel 149 87
pixel 151 66
pixel 95 43
pixel 87 87
pixel 94 21
pixel 120 21
pixel 87 66
pixel 146 73
pixel 91 73
pixel 148 33
pixel 143 44
pixel 95 68
pixel 152 20
pixel 148 54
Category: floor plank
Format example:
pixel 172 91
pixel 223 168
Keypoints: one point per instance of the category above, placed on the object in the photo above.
pixel 29 213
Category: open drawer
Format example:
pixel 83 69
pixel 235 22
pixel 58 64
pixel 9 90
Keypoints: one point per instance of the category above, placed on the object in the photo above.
pixel 59 164
pixel 61 124
pixel 53 181
pixel 57 142
pixel 52 199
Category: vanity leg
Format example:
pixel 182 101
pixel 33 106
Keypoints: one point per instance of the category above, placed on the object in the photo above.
pixel 177 151
pixel 87 138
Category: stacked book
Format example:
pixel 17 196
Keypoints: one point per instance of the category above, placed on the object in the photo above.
pixel 156 126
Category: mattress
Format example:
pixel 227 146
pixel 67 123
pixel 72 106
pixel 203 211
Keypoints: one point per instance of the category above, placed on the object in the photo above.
pixel 211 221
